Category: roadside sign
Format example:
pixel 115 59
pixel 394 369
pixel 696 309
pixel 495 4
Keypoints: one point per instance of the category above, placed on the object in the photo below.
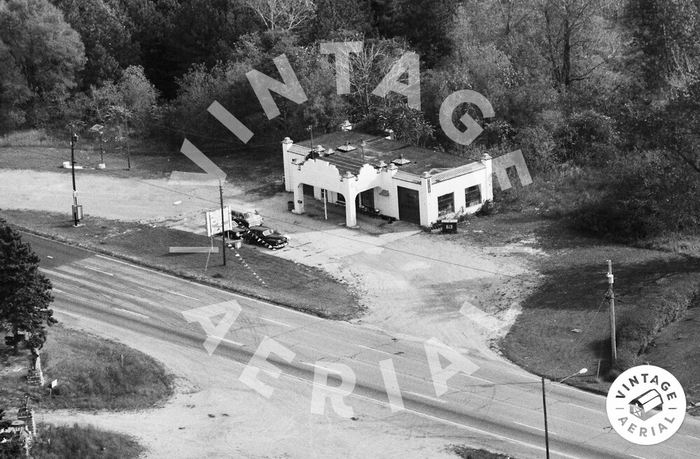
pixel 213 221
pixel 54 383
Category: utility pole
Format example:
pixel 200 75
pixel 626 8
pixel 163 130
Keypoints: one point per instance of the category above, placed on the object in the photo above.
pixel 325 203
pixel 611 299
pixel 223 222
pixel 544 409
pixel 73 140
pixel 126 141
pixel 311 132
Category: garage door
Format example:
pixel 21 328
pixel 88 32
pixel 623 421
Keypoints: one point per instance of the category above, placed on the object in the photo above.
pixel 409 206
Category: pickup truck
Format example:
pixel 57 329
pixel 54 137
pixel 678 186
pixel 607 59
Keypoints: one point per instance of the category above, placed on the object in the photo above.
pixel 247 217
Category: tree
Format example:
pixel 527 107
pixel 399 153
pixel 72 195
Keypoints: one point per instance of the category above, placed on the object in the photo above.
pixel 131 99
pixel 425 25
pixel 663 48
pixel 41 56
pixel 577 38
pixel 25 293
pixel 662 63
pixel 337 18
pixel 283 14
pixel 408 124
pixel 104 30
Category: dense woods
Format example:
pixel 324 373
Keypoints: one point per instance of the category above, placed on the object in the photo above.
pixel 603 92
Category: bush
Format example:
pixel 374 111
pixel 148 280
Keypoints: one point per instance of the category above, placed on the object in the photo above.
pixel 77 441
pixel 653 196
pixel 638 328
pixel 539 148
pixel 588 136
pixel 487 208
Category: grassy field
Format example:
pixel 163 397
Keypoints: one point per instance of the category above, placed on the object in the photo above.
pixel 255 169
pixel 286 282
pixel 564 324
pixel 58 442
pixel 92 373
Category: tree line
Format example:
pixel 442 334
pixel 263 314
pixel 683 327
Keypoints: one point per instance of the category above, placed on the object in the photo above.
pixel 587 82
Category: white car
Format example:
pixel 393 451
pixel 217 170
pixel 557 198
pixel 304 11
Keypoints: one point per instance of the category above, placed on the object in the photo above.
pixel 248 217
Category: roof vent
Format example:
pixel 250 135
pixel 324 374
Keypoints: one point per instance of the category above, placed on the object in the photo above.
pixel 347 147
pixel 316 152
pixel 401 161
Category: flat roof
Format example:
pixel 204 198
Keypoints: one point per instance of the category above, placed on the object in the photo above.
pixel 416 160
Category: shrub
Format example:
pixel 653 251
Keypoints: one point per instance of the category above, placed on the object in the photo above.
pixel 638 328
pixel 588 136
pixel 653 196
pixel 539 148
pixel 488 208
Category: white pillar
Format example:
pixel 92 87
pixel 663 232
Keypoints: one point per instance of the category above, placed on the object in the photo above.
pixel 350 210
pixel 427 200
pixel 286 158
pixel 349 192
pixel 299 199
pixel 487 187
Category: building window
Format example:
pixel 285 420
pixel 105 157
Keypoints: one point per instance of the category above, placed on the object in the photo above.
pixel 472 196
pixel 446 204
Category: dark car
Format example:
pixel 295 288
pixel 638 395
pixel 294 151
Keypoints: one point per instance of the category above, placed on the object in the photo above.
pixel 236 232
pixel 265 237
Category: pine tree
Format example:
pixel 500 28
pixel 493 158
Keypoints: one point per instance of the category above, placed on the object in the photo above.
pixel 25 293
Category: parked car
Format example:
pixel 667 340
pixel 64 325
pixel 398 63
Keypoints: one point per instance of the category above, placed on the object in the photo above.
pixel 247 218
pixel 266 237
pixel 236 232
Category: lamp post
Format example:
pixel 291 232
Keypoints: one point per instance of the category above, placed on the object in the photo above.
pixel 223 222
pixel 582 371
pixel 76 208
pixel 311 133
pixel 99 129
pixel 544 409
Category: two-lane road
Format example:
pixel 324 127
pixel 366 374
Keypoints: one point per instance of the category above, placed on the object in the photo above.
pixel 498 400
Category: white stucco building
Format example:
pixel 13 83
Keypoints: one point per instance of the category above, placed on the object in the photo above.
pixel 401 181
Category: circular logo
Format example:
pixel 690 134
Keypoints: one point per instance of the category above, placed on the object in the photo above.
pixel 646 405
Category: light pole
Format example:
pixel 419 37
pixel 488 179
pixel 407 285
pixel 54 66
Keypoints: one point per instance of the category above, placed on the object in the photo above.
pixel 99 129
pixel 582 371
pixel 223 222
pixel 77 210
pixel 311 133
pixel 544 409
